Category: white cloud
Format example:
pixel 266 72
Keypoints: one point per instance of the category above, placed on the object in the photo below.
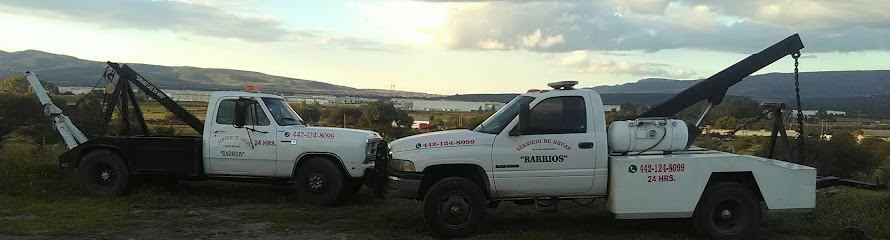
pixel 176 16
pixel 590 62
pixel 534 40
pixel 653 25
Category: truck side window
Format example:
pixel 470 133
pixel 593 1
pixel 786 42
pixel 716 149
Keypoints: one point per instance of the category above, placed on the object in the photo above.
pixel 558 115
pixel 225 114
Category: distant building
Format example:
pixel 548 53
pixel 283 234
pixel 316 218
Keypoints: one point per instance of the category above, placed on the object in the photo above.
pixel 310 99
pixel 353 100
pixel 609 108
pixel 419 121
pixel 872 133
pixel 444 105
pixel 811 113
pixel 188 95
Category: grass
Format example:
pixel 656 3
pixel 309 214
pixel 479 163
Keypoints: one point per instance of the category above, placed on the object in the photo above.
pixel 38 199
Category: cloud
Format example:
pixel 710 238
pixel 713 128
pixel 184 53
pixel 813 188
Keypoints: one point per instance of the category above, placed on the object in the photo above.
pixel 183 17
pixel 807 14
pixel 191 18
pixel 355 43
pixel 590 62
pixel 653 25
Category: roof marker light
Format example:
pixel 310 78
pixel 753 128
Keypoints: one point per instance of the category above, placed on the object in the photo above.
pixel 563 85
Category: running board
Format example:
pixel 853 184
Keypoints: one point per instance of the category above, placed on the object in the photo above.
pixel 829 181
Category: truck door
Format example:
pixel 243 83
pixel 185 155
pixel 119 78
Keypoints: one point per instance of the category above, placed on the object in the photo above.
pixel 554 157
pixel 248 150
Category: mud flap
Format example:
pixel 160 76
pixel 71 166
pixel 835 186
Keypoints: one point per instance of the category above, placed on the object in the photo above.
pixel 376 178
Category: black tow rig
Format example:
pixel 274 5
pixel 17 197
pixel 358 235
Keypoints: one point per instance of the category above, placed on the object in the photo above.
pixel 376 178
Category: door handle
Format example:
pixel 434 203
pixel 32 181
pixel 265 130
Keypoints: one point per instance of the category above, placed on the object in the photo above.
pixel 585 145
pixel 218 131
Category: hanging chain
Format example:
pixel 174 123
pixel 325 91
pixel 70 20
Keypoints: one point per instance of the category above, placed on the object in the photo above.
pixel 801 148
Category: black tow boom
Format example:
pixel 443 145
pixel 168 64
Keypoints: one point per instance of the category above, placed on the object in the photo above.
pixel 123 93
pixel 714 88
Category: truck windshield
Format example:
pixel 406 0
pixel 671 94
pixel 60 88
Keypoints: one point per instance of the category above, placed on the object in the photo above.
pixel 283 114
pixel 497 122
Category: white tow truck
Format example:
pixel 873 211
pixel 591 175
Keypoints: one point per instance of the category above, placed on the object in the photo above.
pixel 550 145
pixel 247 136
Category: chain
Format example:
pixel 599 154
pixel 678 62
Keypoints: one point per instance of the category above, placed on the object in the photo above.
pixel 801 148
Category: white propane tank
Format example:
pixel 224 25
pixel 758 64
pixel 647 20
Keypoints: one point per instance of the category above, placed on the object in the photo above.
pixel 648 134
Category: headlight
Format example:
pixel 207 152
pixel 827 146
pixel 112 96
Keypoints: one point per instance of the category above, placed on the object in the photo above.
pixel 401 165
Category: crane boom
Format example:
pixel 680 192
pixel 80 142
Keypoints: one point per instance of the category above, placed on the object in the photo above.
pixel 714 88
pixel 70 133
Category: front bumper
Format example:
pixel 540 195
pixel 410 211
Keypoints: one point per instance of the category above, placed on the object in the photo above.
pixel 404 184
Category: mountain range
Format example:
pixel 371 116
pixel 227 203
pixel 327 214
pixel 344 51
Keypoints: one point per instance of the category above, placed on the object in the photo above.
pixel 65 70
pixel 834 84
pixel 859 92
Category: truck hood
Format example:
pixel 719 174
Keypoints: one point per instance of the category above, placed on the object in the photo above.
pixel 451 138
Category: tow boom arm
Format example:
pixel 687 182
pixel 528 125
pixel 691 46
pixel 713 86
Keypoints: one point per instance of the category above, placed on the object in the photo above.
pixel 714 88
pixel 124 92
pixel 70 133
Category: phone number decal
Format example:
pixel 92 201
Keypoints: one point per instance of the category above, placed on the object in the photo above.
pixel 662 168
pixel 445 143
pixel 320 135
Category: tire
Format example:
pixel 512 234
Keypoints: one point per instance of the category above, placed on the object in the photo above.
pixel 459 197
pixel 319 182
pixel 727 211
pixel 102 173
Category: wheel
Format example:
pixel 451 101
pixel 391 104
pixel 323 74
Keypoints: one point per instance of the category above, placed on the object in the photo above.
pixel 454 207
pixel 727 211
pixel 319 182
pixel 102 173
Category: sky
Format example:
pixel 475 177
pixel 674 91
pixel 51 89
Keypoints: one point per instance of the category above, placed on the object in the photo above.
pixel 459 46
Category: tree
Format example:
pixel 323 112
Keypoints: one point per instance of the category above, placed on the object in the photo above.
pixel 726 122
pixel 841 157
pixel 823 115
pixel 334 117
pixel 15 85
pixel 385 119
pixel 310 113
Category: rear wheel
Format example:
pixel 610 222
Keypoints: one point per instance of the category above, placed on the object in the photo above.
pixel 102 173
pixel 454 207
pixel 319 182
pixel 727 211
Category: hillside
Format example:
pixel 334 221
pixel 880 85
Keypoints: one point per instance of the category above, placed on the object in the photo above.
pixel 71 71
pixel 834 84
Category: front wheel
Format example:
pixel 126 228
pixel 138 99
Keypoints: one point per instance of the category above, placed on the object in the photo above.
pixel 727 211
pixel 319 182
pixel 454 207
pixel 102 173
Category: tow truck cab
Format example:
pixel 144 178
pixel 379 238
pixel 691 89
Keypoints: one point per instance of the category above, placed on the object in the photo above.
pixel 553 144
pixel 563 151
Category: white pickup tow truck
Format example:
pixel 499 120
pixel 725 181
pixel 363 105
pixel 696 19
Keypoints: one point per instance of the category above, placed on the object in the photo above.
pixel 553 144
pixel 247 136
pixel 550 145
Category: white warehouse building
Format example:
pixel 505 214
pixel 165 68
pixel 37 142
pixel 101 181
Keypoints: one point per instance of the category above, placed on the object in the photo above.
pixel 444 105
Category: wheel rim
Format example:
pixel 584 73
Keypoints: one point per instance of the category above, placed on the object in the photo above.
pixel 455 209
pixel 317 182
pixel 729 216
pixel 104 176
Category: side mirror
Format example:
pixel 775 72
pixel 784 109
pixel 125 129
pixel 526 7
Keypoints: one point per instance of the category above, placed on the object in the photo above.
pixel 241 112
pixel 523 121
